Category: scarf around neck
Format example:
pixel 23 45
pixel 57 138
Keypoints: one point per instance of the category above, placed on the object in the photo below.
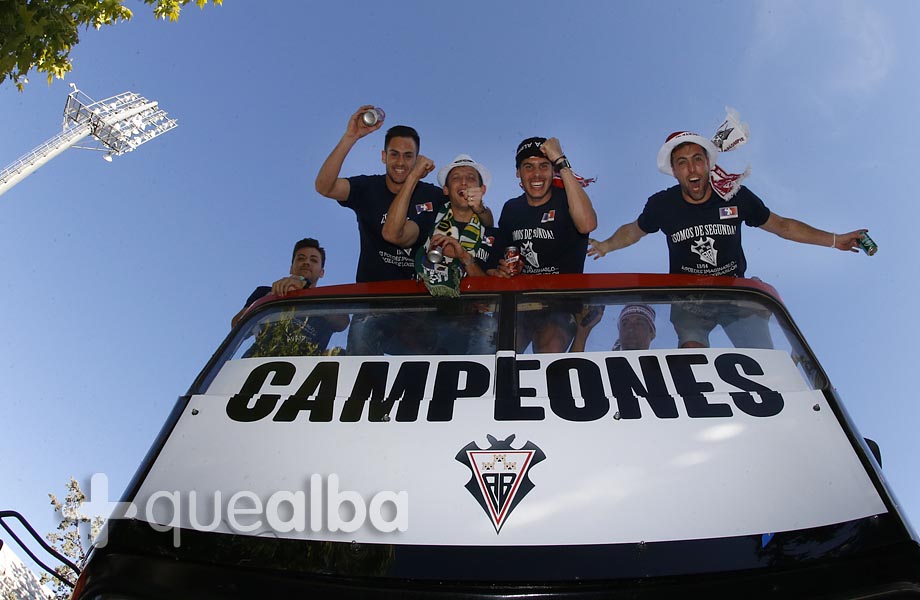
pixel 443 278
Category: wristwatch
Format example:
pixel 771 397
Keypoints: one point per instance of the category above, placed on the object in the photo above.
pixel 562 163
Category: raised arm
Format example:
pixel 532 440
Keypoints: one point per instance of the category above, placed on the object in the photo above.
pixel 328 183
pixel 626 235
pixel 797 231
pixel 580 206
pixel 585 320
pixel 474 200
pixel 398 229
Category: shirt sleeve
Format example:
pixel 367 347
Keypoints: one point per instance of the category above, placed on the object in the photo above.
pixel 503 217
pixel 755 211
pixel 424 205
pixel 262 290
pixel 648 221
pixel 356 190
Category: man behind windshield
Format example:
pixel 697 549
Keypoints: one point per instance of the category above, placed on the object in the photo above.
pixel 635 326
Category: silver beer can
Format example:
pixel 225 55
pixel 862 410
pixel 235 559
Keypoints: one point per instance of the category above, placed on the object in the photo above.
pixel 373 116
pixel 435 255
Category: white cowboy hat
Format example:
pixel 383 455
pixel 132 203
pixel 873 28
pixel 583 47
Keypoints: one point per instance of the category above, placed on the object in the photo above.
pixel 682 137
pixel 464 160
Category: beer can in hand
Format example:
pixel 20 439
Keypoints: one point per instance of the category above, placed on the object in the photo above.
pixel 435 254
pixel 867 245
pixel 373 116
pixel 513 259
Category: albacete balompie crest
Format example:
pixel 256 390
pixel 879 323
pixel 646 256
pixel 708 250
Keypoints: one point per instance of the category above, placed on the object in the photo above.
pixel 499 475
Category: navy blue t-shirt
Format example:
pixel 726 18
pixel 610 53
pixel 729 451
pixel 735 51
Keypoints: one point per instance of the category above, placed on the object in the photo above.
pixel 262 290
pixel 704 239
pixel 370 199
pixel 545 234
pixel 491 248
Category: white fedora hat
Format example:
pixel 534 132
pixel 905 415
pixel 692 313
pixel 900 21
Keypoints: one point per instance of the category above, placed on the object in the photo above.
pixel 464 160
pixel 683 137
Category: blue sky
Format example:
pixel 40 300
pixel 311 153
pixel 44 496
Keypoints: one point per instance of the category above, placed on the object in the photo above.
pixel 119 280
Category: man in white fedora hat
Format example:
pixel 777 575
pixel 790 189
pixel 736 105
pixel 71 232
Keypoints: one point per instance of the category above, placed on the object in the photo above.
pixel 453 233
pixel 455 240
pixel 701 217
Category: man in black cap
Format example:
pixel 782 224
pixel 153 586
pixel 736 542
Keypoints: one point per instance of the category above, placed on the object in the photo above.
pixel 549 223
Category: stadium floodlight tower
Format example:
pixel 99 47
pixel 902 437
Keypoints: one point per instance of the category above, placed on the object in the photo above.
pixel 118 124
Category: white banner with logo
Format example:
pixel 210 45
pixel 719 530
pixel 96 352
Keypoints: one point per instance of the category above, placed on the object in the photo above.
pixel 586 448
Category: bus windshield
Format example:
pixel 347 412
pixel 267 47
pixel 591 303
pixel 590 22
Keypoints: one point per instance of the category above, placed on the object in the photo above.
pixel 665 320
pixel 593 321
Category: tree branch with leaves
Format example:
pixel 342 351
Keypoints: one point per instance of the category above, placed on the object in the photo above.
pixel 73 537
pixel 40 34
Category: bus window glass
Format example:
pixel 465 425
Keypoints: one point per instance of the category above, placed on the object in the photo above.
pixel 658 320
pixel 377 327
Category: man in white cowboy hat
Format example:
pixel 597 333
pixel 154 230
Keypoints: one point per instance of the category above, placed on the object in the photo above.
pixel 701 218
pixel 635 327
pixel 459 239
pixel 454 228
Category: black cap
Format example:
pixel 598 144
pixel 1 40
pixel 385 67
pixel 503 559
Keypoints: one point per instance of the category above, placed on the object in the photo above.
pixel 527 148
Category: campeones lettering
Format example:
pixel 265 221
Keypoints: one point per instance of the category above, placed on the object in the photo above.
pixel 574 387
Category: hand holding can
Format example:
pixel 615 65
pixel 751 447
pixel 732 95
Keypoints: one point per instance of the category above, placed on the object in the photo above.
pixel 867 244
pixel 435 254
pixel 513 260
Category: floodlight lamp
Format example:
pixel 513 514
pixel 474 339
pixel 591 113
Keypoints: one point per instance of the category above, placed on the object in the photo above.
pixel 119 124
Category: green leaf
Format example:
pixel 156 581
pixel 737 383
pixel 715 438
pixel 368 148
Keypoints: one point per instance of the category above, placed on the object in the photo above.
pixel 40 35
